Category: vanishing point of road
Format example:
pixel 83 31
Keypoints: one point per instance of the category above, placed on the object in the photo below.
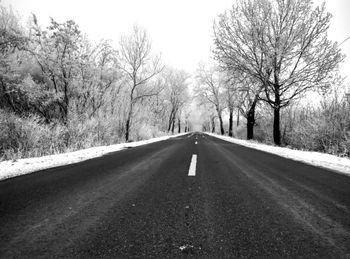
pixel 194 196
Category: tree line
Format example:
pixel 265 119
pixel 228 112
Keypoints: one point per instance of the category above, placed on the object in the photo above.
pixel 270 55
pixel 60 91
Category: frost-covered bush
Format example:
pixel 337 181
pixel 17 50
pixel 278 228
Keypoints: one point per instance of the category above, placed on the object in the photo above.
pixel 325 128
pixel 88 132
pixel 27 136
pixel 145 131
pixel 240 131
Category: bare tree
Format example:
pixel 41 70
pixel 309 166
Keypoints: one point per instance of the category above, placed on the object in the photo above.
pixel 210 90
pixel 97 76
pixel 139 67
pixel 175 93
pixel 281 43
pixel 56 51
pixel 187 114
pixel 246 93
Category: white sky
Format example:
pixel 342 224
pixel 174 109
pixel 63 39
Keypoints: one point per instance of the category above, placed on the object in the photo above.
pixel 180 29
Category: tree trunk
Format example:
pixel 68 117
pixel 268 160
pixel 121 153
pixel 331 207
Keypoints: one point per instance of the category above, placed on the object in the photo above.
pixel 173 126
pixel 276 126
pixel 65 104
pixel 127 128
pixel 222 131
pixel 170 120
pixel 237 118
pixel 250 125
pixel 251 122
pixel 178 125
pixel 276 111
pixel 128 123
pixel 230 122
pixel 212 125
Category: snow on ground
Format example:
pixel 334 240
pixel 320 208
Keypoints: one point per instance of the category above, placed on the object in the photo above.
pixel 12 168
pixel 331 162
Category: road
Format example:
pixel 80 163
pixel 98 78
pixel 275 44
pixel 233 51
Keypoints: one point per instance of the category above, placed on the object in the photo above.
pixel 142 203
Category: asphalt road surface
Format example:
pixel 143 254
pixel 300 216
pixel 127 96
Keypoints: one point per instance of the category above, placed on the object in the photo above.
pixel 141 203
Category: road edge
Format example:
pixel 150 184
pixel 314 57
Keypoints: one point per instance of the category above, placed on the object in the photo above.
pixel 342 167
pixel 11 168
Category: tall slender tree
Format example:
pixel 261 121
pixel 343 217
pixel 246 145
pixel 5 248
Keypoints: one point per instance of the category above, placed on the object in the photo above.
pixel 210 90
pixel 246 93
pixel 139 67
pixel 175 93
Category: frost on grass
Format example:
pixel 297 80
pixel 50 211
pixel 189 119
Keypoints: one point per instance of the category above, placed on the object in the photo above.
pixel 12 168
pixel 331 162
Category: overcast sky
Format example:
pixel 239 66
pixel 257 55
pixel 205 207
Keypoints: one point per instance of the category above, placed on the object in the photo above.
pixel 180 29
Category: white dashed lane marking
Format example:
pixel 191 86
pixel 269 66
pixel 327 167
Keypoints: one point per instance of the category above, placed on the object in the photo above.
pixel 193 165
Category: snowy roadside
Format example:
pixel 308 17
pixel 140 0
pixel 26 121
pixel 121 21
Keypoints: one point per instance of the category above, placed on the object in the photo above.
pixel 12 168
pixel 334 163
